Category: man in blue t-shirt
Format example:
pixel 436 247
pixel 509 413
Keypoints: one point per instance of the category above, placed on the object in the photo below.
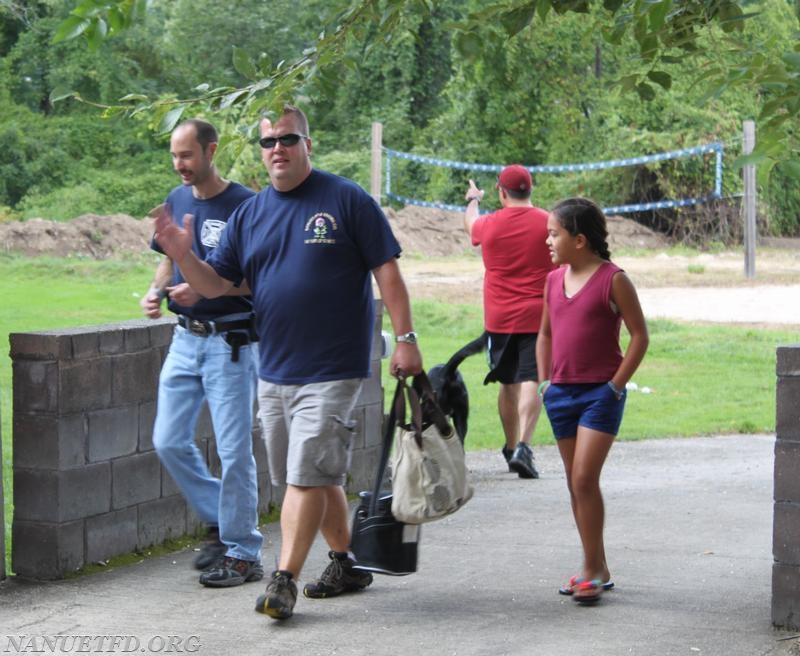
pixel 307 246
pixel 211 357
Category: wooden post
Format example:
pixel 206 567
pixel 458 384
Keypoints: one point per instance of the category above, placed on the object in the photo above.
pixel 749 202
pixel 375 170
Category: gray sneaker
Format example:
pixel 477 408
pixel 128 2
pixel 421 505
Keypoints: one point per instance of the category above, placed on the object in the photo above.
pixel 522 461
pixel 230 572
pixel 212 550
pixel 338 577
pixel 279 598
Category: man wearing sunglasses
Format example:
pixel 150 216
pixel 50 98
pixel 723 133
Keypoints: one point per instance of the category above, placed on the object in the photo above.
pixel 308 245
pixel 517 261
pixel 210 358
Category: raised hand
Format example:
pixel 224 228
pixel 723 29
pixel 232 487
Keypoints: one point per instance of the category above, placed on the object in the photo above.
pixel 175 241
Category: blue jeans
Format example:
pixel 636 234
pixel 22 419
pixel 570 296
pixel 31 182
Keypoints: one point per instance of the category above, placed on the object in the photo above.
pixel 198 368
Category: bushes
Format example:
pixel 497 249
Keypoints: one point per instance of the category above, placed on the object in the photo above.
pixel 134 190
pixel 59 167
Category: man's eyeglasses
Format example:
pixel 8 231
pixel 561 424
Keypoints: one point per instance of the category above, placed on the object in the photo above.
pixel 285 140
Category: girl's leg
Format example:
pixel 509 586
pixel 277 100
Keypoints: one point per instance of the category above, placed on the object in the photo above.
pixel 590 450
pixel 566 447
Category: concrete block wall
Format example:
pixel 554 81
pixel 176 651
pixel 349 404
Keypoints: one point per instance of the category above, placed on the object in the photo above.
pixel 2 514
pixel 786 515
pixel 88 484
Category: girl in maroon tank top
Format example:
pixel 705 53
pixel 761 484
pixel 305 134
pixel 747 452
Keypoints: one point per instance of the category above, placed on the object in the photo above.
pixel 584 371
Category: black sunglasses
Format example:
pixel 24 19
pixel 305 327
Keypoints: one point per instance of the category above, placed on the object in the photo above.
pixel 285 139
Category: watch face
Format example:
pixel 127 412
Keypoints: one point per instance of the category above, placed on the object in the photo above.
pixel 408 338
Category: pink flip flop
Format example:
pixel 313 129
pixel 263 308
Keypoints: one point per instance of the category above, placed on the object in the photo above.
pixel 576 580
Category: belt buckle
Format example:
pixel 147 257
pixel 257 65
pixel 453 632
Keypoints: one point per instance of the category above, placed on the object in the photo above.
pixel 197 328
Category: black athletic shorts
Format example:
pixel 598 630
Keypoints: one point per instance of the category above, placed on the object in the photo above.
pixel 512 358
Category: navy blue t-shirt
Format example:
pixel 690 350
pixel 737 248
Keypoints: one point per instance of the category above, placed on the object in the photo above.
pixel 210 217
pixel 307 255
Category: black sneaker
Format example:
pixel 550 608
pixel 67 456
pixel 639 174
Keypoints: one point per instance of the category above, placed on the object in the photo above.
pixel 507 453
pixel 522 461
pixel 232 571
pixel 338 577
pixel 279 598
pixel 212 550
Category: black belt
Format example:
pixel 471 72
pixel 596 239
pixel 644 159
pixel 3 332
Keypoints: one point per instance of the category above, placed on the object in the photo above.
pixel 206 328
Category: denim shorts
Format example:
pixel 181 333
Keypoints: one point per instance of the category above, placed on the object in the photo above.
pixel 591 405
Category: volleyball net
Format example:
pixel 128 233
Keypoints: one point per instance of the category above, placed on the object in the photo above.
pixel 713 151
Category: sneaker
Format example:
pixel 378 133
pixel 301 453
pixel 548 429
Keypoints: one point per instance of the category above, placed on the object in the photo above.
pixel 507 453
pixel 279 598
pixel 522 461
pixel 212 550
pixel 338 577
pixel 232 571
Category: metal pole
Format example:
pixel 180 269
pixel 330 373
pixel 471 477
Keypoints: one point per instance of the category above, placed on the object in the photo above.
pixel 375 168
pixel 749 202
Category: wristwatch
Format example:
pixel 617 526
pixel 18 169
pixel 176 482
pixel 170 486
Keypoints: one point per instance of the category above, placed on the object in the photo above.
pixel 408 338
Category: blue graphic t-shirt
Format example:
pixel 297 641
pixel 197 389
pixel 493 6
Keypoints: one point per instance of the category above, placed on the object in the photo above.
pixel 210 218
pixel 307 255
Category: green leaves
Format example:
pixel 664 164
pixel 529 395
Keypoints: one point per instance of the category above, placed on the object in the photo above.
pixel 243 64
pixel 72 27
pixel 97 19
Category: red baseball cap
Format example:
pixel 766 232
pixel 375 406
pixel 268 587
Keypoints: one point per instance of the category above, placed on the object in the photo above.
pixel 515 177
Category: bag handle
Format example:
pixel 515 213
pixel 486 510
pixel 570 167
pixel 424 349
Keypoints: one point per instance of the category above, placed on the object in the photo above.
pixel 398 402
pixel 431 412
pixel 425 410
pixel 421 398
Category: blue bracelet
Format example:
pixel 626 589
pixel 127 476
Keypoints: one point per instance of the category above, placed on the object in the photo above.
pixel 617 392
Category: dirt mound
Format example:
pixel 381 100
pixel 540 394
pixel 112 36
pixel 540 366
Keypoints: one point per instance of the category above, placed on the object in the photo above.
pixel 89 235
pixel 428 231
pixel 420 230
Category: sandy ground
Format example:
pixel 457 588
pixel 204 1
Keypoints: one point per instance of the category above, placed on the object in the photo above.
pixel 439 262
pixel 767 304
pixel 708 288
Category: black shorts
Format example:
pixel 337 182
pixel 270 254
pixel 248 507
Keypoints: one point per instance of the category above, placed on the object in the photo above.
pixel 512 358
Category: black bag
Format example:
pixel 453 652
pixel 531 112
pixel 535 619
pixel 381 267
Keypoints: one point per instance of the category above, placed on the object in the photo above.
pixel 379 542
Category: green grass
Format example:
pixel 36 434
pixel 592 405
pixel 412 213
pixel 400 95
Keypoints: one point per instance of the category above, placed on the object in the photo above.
pixel 705 379
pixel 45 293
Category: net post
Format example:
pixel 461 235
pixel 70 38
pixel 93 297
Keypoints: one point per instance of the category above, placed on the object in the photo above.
pixel 375 167
pixel 749 201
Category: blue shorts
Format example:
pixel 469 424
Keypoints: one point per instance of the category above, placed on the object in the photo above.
pixel 591 405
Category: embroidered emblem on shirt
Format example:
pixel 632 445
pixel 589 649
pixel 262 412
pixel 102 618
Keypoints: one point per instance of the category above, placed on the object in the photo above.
pixel 211 232
pixel 321 226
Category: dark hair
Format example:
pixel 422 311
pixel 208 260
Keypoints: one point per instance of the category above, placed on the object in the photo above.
pixel 204 132
pixel 516 193
pixel 581 216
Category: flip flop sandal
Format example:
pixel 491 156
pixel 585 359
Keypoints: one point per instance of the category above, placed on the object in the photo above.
pixel 569 588
pixel 594 586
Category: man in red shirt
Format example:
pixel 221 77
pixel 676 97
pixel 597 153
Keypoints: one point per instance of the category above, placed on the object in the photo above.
pixel 517 261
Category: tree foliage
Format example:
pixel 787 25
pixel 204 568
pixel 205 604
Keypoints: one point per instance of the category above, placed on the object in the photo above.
pixel 535 81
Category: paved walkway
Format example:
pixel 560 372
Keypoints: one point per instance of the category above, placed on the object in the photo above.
pixel 689 539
